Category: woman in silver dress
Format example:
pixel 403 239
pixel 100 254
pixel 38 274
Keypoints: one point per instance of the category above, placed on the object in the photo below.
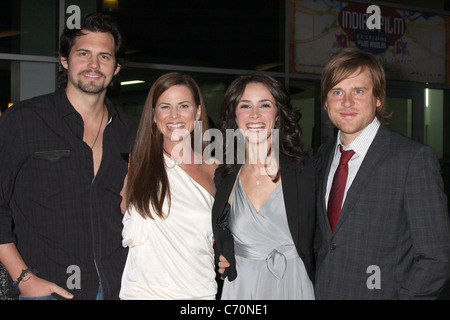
pixel 264 210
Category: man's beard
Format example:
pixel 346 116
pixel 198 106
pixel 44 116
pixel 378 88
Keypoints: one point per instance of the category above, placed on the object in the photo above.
pixel 92 87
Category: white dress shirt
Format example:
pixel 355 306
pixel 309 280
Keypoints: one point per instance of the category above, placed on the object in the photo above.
pixel 360 145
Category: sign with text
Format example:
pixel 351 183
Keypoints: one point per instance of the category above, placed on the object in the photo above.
pixel 410 44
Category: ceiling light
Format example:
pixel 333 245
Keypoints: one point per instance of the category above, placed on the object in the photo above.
pixel 128 83
pixel 110 5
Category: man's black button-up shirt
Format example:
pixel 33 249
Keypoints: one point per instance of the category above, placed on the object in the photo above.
pixel 65 221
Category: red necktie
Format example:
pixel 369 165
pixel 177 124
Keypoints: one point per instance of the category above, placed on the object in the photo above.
pixel 338 187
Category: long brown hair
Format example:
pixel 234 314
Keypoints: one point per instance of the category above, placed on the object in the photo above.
pixel 290 143
pixel 148 183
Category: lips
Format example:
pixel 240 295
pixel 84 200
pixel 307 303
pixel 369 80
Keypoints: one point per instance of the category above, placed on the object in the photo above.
pixel 348 115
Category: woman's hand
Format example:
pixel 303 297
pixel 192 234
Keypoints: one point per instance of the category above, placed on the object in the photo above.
pixel 223 264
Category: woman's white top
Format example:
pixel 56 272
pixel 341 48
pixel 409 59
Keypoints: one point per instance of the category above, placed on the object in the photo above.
pixel 171 258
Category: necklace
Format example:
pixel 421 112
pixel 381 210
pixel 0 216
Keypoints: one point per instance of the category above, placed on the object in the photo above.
pixel 258 177
pixel 99 128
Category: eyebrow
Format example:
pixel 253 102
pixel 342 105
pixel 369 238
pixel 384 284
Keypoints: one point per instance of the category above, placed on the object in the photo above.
pixel 262 100
pixel 354 88
pixel 181 102
pixel 86 50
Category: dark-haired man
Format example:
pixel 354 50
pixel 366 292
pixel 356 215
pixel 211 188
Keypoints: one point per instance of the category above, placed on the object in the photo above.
pixel 64 159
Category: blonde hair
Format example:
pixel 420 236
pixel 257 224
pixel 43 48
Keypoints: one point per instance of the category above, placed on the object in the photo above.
pixel 348 61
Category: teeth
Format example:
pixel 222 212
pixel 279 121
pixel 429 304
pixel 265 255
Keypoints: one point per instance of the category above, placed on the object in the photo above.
pixel 175 126
pixel 92 76
pixel 255 126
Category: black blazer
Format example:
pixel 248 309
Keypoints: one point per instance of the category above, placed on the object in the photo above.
pixel 299 187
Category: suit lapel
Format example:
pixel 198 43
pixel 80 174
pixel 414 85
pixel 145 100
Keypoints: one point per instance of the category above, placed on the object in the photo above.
pixel 224 189
pixel 376 153
pixel 328 154
pixel 292 201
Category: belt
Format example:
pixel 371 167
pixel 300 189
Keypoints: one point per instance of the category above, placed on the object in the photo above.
pixel 276 260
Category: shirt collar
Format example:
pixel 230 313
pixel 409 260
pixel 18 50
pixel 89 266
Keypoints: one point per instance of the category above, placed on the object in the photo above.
pixel 363 141
pixel 63 103
pixel 67 108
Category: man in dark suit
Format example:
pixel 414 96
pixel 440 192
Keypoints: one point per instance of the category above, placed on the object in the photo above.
pixel 387 235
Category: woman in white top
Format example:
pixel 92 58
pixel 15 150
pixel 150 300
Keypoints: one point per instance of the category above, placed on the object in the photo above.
pixel 169 195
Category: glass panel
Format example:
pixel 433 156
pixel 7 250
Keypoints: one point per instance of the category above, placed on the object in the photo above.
pixel 401 118
pixel 221 34
pixel 29 27
pixel 131 98
pixel 5 88
pixel 22 80
pixel 303 99
pixel 434 120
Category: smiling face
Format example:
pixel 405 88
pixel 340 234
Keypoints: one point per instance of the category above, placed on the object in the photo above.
pixel 91 63
pixel 175 114
pixel 351 104
pixel 256 112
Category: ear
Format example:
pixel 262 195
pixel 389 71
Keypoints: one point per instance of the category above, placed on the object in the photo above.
pixel 64 62
pixel 378 103
pixel 118 67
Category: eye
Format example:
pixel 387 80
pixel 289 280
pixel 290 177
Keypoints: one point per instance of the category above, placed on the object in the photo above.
pixel 105 57
pixel 184 106
pixel 244 106
pixel 266 105
pixel 164 106
pixel 337 93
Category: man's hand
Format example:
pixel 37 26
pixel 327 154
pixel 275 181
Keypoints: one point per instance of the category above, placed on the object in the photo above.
pixel 33 286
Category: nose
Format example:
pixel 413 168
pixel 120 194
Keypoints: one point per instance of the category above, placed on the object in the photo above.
pixel 254 113
pixel 93 62
pixel 348 100
pixel 173 112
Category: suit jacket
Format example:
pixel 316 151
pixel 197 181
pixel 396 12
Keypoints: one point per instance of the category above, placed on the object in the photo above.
pixel 392 239
pixel 299 186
